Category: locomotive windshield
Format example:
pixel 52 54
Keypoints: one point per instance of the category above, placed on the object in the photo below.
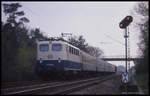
pixel 56 47
pixel 44 47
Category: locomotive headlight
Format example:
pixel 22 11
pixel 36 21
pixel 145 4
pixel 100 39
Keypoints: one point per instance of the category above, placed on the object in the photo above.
pixel 59 60
pixel 41 61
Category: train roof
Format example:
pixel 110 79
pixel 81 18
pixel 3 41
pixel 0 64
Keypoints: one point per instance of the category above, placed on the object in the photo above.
pixel 60 40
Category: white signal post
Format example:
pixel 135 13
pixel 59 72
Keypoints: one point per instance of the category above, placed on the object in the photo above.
pixel 124 24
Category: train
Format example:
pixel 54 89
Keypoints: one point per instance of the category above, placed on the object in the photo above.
pixel 58 57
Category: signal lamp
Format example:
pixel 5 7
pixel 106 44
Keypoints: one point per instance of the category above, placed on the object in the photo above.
pixel 125 22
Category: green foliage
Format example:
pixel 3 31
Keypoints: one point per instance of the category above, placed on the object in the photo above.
pixel 18 50
pixel 26 59
pixel 12 11
pixel 94 51
pixel 142 81
pixel 10 8
pixel 80 42
pixel 9 43
pixel 141 67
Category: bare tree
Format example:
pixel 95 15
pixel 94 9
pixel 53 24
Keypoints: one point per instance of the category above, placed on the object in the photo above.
pixel 142 9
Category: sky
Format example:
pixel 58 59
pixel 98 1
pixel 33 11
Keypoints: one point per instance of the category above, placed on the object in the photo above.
pixel 98 22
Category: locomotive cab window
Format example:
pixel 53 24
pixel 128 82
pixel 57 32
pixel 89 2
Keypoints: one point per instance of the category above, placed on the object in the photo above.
pixel 44 47
pixel 56 47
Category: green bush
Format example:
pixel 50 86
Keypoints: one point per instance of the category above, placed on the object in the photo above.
pixel 26 61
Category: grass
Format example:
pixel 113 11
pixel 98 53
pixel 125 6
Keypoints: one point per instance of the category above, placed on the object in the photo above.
pixel 143 81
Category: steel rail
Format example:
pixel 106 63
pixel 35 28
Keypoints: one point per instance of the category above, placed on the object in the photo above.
pixel 79 86
pixel 47 86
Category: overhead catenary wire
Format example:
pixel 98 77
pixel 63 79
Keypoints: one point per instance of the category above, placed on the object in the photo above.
pixel 115 40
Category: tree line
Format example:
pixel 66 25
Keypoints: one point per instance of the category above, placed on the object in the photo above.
pixel 142 9
pixel 81 43
pixel 19 45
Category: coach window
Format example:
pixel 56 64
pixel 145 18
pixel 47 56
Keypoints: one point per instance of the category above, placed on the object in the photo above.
pixel 44 47
pixel 75 51
pixel 69 49
pixel 72 50
pixel 66 48
pixel 56 47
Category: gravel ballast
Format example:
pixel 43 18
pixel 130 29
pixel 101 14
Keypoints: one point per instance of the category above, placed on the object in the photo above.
pixel 107 87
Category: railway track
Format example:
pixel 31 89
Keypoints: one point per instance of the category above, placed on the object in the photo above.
pixel 56 87
pixel 6 85
pixel 81 85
